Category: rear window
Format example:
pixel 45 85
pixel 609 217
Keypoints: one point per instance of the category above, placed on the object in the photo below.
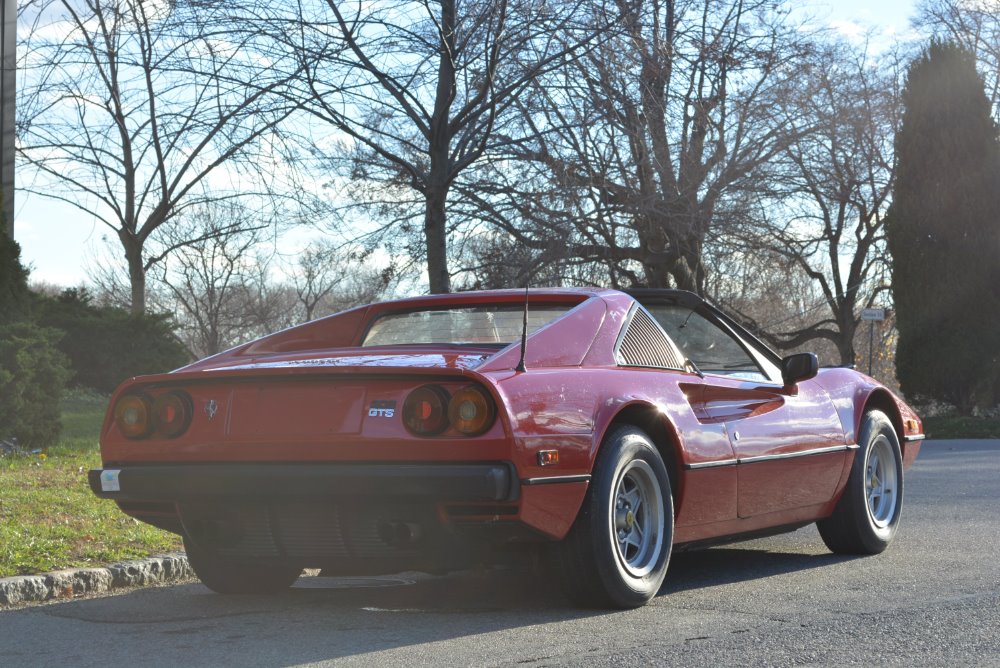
pixel 497 325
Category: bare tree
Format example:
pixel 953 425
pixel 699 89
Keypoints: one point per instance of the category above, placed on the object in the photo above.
pixel 824 214
pixel 640 146
pixel 327 279
pixel 133 111
pixel 217 286
pixel 419 90
pixel 491 259
pixel 769 292
pixel 973 24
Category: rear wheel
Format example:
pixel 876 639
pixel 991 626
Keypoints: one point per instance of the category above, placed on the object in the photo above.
pixel 617 552
pixel 225 576
pixel 867 514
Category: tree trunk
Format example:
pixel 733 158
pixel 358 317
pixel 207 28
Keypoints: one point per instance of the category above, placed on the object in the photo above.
pixel 657 274
pixel 656 263
pixel 439 178
pixel 436 236
pixel 688 271
pixel 136 271
pixel 845 346
pixel 848 329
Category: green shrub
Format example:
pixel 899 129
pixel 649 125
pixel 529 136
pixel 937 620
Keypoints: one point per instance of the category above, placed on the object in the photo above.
pixel 32 376
pixel 13 278
pixel 106 345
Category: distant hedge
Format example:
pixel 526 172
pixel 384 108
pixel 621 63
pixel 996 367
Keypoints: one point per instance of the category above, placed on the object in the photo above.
pixel 106 345
pixel 33 373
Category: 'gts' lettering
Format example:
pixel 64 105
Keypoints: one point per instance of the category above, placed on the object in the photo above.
pixel 382 408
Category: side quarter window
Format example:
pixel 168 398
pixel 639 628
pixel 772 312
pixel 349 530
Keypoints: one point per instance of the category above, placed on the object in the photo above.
pixel 712 348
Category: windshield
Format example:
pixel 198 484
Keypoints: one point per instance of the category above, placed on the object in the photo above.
pixel 493 325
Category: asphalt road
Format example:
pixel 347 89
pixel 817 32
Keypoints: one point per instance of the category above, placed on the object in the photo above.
pixel 933 598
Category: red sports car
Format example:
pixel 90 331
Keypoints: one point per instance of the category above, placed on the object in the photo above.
pixel 604 428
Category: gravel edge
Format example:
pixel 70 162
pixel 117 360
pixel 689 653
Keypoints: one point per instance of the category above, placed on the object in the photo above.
pixel 73 583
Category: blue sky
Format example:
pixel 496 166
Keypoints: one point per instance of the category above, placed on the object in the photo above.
pixel 58 242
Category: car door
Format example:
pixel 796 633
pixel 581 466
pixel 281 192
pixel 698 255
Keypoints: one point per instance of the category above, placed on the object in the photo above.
pixel 789 443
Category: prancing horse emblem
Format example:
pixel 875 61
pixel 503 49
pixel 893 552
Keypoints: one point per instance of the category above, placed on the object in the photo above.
pixel 211 408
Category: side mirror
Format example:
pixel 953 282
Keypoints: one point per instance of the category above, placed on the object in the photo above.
pixel 801 366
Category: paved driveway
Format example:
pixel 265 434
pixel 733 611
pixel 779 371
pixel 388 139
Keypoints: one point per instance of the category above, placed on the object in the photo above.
pixel 932 599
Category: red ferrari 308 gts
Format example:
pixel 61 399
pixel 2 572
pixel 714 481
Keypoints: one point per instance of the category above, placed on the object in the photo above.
pixel 432 433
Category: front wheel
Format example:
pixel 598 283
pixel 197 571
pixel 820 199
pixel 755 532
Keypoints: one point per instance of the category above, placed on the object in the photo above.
pixel 617 552
pixel 225 576
pixel 867 514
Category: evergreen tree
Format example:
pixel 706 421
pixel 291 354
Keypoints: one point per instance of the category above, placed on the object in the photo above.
pixel 943 233
pixel 13 276
pixel 32 370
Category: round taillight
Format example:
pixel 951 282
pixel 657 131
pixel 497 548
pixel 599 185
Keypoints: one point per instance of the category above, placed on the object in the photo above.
pixel 471 411
pixel 425 411
pixel 133 416
pixel 172 413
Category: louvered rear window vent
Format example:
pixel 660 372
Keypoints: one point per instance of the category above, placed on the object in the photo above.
pixel 645 344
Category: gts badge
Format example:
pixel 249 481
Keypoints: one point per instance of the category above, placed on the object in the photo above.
pixel 382 408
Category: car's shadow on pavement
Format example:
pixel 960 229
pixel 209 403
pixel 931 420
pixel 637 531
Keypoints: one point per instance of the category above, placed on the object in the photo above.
pixel 467 593
pixel 331 618
pixel 728 565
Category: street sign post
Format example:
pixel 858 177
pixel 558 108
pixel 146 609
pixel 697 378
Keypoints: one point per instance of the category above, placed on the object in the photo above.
pixel 872 315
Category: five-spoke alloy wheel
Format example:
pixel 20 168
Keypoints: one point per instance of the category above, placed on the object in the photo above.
pixel 617 553
pixel 637 519
pixel 881 482
pixel 867 514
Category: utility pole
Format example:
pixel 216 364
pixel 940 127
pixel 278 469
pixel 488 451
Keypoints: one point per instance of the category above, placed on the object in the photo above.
pixel 8 70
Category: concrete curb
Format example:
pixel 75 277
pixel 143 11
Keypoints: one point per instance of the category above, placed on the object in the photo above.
pixel 71 583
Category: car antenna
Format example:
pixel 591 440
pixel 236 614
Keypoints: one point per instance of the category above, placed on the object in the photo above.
pixel 524 331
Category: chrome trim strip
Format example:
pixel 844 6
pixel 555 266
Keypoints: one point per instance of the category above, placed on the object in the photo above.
pixel 791 455
pixel 768 458
pixel 711 465
pixel 914 437
pixel 556 479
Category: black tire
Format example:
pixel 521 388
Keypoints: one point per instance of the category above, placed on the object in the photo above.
pixel 225 576
pixel 599 563
pixel 867 515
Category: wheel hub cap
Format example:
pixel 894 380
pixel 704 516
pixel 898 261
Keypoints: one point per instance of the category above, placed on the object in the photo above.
pixel 881 485
pixel 637 519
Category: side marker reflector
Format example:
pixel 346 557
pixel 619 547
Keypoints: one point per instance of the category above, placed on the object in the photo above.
pixel 548 457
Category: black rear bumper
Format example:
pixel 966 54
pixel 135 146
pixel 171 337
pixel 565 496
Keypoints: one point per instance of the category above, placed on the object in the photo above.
pixel 491 482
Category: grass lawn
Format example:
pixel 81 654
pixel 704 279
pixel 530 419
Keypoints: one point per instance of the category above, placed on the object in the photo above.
pixel 49 518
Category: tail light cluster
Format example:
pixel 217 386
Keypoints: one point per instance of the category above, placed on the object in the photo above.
pixel 430 410
pixel 140 416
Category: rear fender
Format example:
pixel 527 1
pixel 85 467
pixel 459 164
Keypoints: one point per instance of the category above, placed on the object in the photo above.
pixel 660 429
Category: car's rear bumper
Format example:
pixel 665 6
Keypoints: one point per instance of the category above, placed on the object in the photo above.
pixel 351 518
pixel 490 482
